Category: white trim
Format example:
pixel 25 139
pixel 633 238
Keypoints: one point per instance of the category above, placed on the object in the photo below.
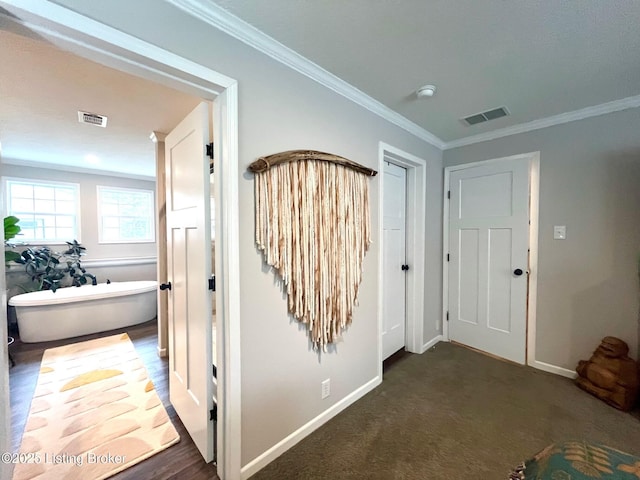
pixel 445 249
pixel 534 192
pixel 286 443
pixel 119 262
pixel 44 17
pixel 127 53
pixel 432 342
pixel 228 23
pixel 415 240
pixel 532 303
pixel 162 352
pixel 6 468
pixel 68 168
pixel 94 263
pixel 547 367
pixel 588 112
pixel 229 459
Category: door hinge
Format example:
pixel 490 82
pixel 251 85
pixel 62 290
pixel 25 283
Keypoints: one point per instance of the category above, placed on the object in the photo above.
pixel 449 194
pixel 447 315
pixel 210 150
pixel 213 413
pixel 212 283
pixel 448 257
pixel 405 267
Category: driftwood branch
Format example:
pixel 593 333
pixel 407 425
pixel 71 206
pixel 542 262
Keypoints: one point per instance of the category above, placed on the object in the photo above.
pixel 265 163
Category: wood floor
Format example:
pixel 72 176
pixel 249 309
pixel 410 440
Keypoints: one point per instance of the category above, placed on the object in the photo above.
pixel 178 461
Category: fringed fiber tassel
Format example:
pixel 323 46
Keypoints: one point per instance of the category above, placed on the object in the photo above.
pixel 313 227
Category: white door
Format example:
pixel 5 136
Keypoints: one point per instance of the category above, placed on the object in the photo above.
pixel 488 257
pixel 394 257
pixel 188 270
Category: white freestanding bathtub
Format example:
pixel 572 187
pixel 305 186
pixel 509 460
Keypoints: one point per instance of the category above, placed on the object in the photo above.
pixel 74 311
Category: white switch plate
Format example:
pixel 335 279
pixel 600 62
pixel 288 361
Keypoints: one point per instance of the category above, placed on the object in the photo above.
pixel 559 232
pixel 326 388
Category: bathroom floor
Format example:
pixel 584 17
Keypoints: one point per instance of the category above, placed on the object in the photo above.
pixel 23 377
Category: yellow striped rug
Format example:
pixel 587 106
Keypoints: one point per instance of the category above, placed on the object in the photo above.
pixel 94 413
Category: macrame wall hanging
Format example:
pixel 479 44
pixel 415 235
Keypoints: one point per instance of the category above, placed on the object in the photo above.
pixel 313 227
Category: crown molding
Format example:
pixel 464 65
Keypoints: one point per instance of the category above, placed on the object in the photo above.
pixel 588 112
pixel 228 23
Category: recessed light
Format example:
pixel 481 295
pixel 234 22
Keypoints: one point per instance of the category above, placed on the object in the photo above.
pixel 92 159
pixel 426 91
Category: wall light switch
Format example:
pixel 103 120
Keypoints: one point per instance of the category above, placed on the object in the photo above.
pixel 559 232
pixel 326 388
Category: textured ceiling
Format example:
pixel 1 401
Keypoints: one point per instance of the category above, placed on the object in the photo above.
pixel 537 58
pixel 42 88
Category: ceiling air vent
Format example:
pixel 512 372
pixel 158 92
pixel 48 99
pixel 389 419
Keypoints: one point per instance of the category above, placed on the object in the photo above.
pixel 486 116
pixel 92 119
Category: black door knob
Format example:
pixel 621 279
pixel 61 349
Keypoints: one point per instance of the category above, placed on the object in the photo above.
pixel 165 286
pixel 517 272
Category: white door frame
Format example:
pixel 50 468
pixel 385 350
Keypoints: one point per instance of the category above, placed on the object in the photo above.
pixel 98 42
pixel 5 401
pixel 534 192
pixel 415 238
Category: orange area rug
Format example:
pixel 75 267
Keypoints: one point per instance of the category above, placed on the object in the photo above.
pixel 94 413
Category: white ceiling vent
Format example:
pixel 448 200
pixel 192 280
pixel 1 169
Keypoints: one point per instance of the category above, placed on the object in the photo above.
pixel 92 119
pixel 486 116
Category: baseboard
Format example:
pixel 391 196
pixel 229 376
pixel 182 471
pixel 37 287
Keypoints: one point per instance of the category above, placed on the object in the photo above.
pixel 285 444
pixel 162 352
pixel 547 367
pixel 431 343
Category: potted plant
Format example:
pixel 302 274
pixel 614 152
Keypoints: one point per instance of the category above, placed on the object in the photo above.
pixel 11 229
pixel 49 269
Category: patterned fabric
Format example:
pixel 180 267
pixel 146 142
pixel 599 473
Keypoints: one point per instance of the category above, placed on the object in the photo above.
pixel 579 461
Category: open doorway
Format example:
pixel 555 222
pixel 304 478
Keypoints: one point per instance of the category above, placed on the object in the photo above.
pixel 132 56
pixel 402 250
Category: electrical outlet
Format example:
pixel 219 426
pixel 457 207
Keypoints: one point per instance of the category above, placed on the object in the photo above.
pixel 326 388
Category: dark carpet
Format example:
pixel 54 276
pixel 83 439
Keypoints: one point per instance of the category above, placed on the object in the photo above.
pixel 453 413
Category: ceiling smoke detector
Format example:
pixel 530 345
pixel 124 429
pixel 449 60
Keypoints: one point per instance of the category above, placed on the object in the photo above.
pixel 426 91
pixel 92 119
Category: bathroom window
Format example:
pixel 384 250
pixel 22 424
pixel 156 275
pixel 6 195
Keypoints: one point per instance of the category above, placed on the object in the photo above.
pixel 125 215
pixel 49 212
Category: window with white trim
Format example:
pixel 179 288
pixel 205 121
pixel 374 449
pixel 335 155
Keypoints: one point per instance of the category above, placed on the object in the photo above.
pixel 49 212
pixel 125 215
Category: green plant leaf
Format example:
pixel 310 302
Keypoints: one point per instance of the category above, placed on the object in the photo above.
pixel 49 269
pixel 11 228
pixel 11 256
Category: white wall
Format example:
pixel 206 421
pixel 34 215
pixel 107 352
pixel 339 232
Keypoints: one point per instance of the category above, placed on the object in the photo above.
pixel 433 253
pixel 89 226
pixel 280 110
pixel 590 182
